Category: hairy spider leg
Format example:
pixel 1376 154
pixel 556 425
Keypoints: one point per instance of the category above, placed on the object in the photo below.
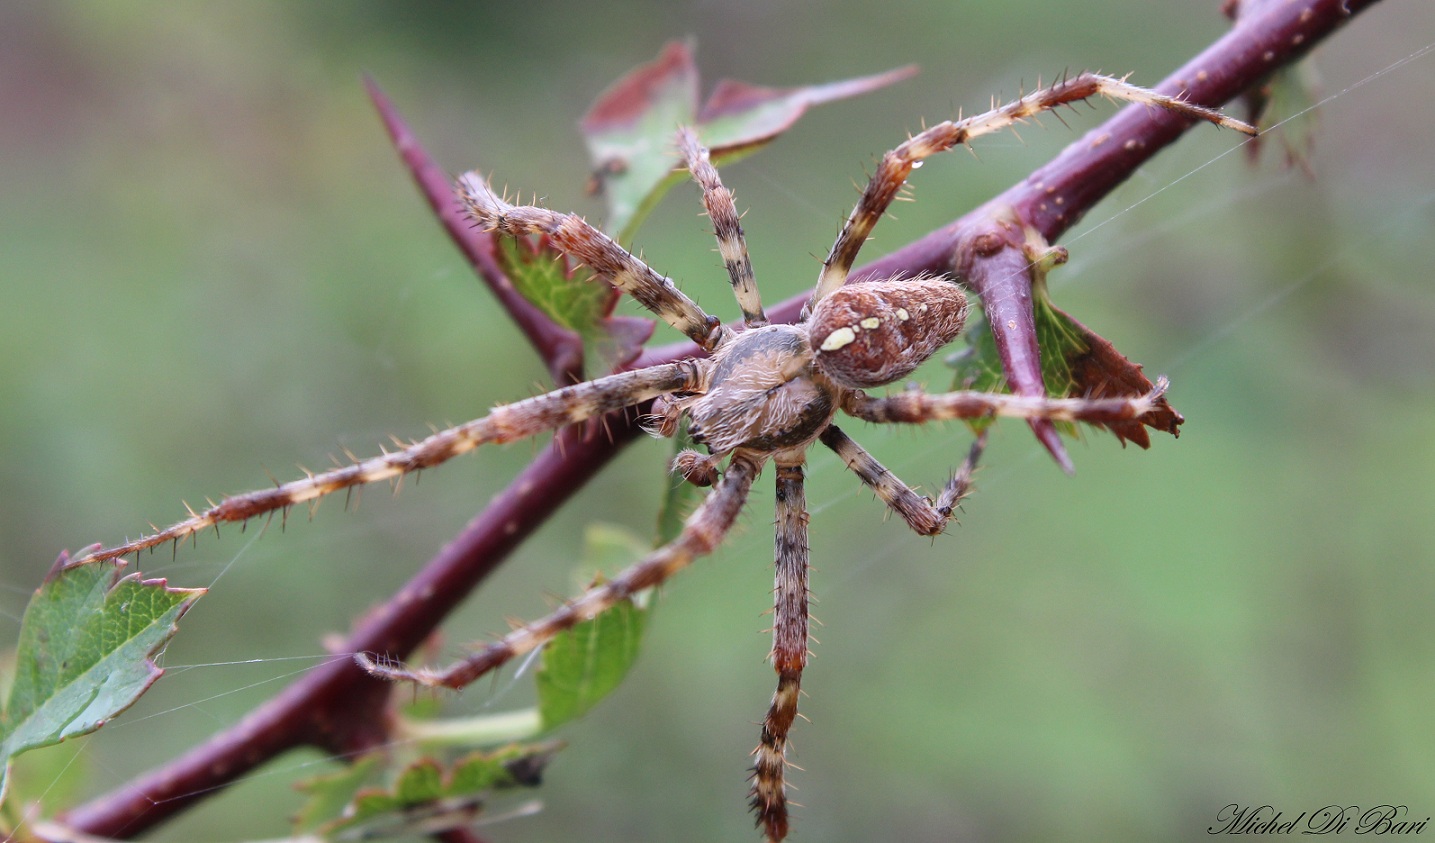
pixel 727 227
pixel 914 406
pixel 505 423
pixel 898 164
pixel 768 795
pixel 701 533
pixel 573 236
pixel 921 514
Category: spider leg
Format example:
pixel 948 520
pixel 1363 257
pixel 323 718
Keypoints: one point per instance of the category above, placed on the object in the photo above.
pixel 898 164
pixel 727 227
pixel 789 649
pixel 701 533
pixel 505 423
pixel 573 236
pixel 913 406
pixel 924 517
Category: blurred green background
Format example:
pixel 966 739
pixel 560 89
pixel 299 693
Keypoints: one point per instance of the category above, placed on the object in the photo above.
pixel 213 266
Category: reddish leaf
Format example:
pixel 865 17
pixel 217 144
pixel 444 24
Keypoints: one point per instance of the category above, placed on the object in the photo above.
pixel 630 127
pixel 739 115
pixel 1286 101
pixel 1104 372
pixel 672 78
pixel 629 131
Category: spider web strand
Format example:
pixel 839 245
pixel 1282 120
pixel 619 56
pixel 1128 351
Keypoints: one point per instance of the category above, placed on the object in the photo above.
pixel 504 424
pixel 924 517
pixel 898 164
pixel 701 533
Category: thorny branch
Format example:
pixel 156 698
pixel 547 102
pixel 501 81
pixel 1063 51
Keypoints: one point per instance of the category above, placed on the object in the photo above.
pixel 340 709
pixel 560 348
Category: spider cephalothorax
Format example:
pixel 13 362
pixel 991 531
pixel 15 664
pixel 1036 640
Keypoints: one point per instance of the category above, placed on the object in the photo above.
pixel 762 392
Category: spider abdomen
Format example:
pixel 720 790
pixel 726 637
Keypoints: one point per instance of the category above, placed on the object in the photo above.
pixel 872 333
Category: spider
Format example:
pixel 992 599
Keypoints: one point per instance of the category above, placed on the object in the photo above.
pixel 762 393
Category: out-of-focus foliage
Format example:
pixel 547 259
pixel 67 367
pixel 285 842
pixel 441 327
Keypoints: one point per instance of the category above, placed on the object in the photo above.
pixel 629 127
pixel 213 266
pixel 422 797
pixel 584 664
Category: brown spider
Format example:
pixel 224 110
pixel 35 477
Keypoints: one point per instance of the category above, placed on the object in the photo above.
pixel 765 392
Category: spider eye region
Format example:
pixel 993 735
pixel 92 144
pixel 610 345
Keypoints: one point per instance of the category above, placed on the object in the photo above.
pixel 872 333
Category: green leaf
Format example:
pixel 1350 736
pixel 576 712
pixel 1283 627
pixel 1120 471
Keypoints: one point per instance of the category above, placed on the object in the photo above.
pixel 1062 341
pixel 478 773
pixel 587 662
pixel 571 297
pixel 418 783
pixel 977 367
pixel 84 652
pixel 329 794
pixel 630 127
pixel 565 293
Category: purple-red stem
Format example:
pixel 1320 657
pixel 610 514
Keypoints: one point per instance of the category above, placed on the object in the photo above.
pixel 560 348
pixel 340 709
